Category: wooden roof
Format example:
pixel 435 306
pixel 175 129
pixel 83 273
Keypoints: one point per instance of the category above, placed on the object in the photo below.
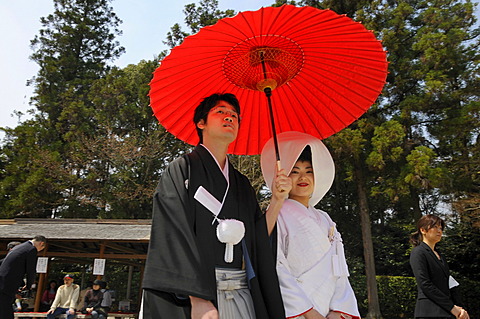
pixel 82 238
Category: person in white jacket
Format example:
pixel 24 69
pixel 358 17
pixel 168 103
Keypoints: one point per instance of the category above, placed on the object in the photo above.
pixel 66 299
pixel 311 263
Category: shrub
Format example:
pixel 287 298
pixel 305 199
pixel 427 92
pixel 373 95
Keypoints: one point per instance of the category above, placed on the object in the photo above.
pixel 398 294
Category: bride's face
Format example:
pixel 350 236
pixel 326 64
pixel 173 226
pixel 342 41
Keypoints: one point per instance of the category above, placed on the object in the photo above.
pixel 303 182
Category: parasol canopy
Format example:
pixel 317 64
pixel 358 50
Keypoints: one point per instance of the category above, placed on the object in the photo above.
pixel 324 71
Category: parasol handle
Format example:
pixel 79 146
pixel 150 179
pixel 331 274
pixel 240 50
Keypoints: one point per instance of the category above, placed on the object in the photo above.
pixel 268 93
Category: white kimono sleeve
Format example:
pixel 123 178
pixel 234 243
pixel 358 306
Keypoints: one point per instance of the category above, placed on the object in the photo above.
pixel 344 299
pixel 295 300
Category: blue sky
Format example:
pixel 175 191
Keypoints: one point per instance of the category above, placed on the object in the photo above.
pixel 145 25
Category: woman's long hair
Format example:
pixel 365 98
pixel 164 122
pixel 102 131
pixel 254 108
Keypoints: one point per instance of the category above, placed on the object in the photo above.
pixel 425 222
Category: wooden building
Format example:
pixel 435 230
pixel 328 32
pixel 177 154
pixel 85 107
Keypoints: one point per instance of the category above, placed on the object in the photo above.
pixel 122 241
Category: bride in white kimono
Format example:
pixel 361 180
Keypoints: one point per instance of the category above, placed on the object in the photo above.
pixel 311 263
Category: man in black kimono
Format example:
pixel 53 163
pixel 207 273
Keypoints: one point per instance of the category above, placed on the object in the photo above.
pixel 185 255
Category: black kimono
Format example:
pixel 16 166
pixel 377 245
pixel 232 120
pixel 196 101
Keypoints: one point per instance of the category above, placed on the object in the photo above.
pixel 184 249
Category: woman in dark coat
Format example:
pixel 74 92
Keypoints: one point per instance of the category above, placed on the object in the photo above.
pixel 93 300
pixel 437 297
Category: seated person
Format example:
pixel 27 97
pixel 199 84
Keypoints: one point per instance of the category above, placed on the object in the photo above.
pixel 93 302
pixel 19 304
pixel 107 297
pixel 66 299
pixel 49 295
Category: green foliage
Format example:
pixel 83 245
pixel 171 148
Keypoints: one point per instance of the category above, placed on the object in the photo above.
pixel 461 247
pixel 392 248
pixel 175 36
pixel 72 49
pixel 421 171
pixel 196 17
pixel 206 13
pixel 386 143
pixel 29 183
pixel 398 295
pixel 348 7
pixel 469 291
pixel 116 276
pixel 400 292
pixel 279 3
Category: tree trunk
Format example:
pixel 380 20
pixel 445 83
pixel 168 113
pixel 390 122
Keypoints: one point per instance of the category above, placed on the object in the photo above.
pixel 372 290
pixel 417 212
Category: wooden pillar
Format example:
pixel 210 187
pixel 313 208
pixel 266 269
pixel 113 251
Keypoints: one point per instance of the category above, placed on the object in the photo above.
pixel 129 282
pixel 102 252
pixel 82 281
pixel 41 283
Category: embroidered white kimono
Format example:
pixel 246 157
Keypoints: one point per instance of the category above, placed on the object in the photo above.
pixel 311 262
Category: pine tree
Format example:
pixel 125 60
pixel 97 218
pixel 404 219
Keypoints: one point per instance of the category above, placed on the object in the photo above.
pixel 73 49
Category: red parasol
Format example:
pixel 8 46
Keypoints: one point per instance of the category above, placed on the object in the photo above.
pixel 323 71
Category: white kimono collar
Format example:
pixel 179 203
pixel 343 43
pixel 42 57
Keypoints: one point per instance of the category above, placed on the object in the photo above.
pixel 225 169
